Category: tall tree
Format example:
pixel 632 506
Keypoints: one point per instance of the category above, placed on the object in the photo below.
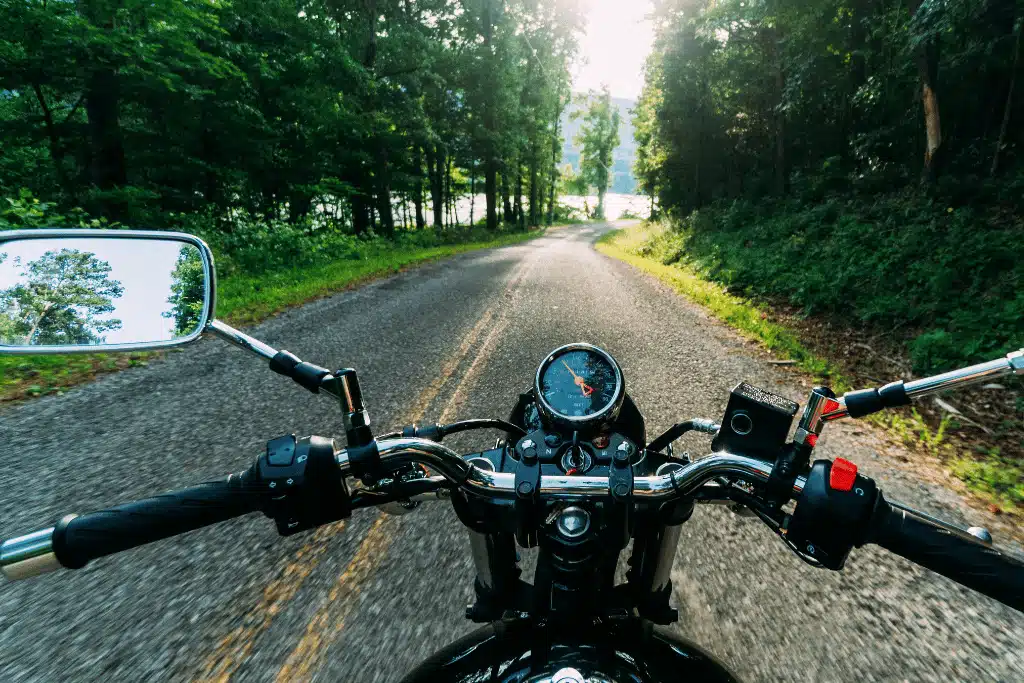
pixel 598 138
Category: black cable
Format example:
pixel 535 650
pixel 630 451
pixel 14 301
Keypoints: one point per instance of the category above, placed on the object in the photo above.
pixel 676 431
pixel 466 425
pixel 438 432
pixel 673 433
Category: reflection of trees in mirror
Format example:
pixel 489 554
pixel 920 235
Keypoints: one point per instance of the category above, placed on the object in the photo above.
pixel 187 292
pixel 57 301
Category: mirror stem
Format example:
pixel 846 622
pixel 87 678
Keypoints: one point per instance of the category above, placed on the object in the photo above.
pixel 241 339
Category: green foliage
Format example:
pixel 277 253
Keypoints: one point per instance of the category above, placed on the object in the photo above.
pixel 57 298
pixel 899 261
pixel 997 478
pixel 188 292
pixel 349 112
pixel 912 430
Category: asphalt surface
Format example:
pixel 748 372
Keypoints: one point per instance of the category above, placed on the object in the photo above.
pixel 368 598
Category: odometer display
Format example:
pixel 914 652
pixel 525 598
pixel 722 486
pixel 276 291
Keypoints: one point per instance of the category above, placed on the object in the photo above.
pixel 578 383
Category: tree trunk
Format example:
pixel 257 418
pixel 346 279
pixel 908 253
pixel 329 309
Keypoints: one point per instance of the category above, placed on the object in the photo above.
pixel 1009 103
pixel 554 163
pixel 506 203
pixel 434 174
pixel 448 192
pixel 520 216
pixel 360 214
pixel 534 190
pixel 417 196
pixel 781 170
pixel 106 158
pixel 927 59
pixel 299 205
pixel 102 107
pixel 56 146
pixel 600 203
pixel 490 124
pixel 472 192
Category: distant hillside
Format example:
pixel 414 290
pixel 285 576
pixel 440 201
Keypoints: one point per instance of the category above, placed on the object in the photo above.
pixel 623 181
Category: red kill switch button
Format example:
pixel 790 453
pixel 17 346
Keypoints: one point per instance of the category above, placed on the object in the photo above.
pixel 811 440
pixel 842 476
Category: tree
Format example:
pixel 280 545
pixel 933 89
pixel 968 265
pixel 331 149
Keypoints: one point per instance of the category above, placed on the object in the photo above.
pixel 188 292
pixel 598 138
pixel 59 299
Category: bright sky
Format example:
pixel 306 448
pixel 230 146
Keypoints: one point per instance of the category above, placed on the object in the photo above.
pixel 613 51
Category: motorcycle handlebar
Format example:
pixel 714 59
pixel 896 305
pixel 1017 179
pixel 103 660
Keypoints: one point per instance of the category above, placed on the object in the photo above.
pixel 687 479
pixel 948 551
pixel 77 539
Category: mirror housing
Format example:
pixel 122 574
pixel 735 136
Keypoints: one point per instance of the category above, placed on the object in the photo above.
pixel 102 290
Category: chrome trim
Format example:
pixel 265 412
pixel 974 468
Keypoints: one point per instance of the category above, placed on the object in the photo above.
pixel 241 339
pixel 682 482
pixel 210 287
pixel 576 421
pixel 812 419
pixel 1011 363
pixel 959 378
pixel 981 533
pixel 565 517
pixel 29 555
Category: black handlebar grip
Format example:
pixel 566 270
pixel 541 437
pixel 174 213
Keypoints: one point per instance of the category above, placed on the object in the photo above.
pixel 950 552
pixel 79 539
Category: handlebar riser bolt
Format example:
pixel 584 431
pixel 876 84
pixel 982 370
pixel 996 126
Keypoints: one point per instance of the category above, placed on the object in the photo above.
pixel 525 488
pixel 621 490
pixel 527 443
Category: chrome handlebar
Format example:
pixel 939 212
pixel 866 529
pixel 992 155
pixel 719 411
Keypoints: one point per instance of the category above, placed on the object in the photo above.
pixel 472 479
pixel 33 554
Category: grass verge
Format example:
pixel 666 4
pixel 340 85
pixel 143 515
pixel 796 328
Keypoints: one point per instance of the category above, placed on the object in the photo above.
pixel 242 299
pixel 997 480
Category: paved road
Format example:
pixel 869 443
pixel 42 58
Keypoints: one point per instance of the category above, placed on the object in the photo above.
pixel 364 600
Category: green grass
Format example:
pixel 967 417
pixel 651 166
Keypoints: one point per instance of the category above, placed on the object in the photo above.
pixel 242 299
pixel 995 478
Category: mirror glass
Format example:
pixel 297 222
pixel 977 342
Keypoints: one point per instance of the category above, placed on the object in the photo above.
pixel 100 291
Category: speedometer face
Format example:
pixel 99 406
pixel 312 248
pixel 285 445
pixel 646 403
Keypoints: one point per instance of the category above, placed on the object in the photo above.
pixel 579 383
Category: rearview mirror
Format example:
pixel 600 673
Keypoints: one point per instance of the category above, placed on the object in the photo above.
pixel 68 291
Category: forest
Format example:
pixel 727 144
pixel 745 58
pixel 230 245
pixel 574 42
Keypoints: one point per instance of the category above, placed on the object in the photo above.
pixel 860 158
pixel 280 129
pixel 855 167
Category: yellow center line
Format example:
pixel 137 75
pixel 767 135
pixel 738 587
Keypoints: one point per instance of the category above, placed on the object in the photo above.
pixel 329 621
pixel 232 650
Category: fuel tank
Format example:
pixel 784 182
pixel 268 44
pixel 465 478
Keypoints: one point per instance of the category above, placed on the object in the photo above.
pixel 613 651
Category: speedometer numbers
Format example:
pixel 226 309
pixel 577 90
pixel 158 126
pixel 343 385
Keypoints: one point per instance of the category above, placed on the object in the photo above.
pixel 579 383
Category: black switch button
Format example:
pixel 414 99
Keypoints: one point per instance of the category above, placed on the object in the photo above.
pixel 281 451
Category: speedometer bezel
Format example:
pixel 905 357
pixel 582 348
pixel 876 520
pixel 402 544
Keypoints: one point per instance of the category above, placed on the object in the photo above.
pixel 606 413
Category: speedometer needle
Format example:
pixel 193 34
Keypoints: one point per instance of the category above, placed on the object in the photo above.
pixel 579 381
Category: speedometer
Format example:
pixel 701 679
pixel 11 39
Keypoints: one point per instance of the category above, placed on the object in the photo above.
pixel 579 384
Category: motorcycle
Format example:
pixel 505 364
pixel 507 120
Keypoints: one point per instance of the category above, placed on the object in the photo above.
pixel 573 474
